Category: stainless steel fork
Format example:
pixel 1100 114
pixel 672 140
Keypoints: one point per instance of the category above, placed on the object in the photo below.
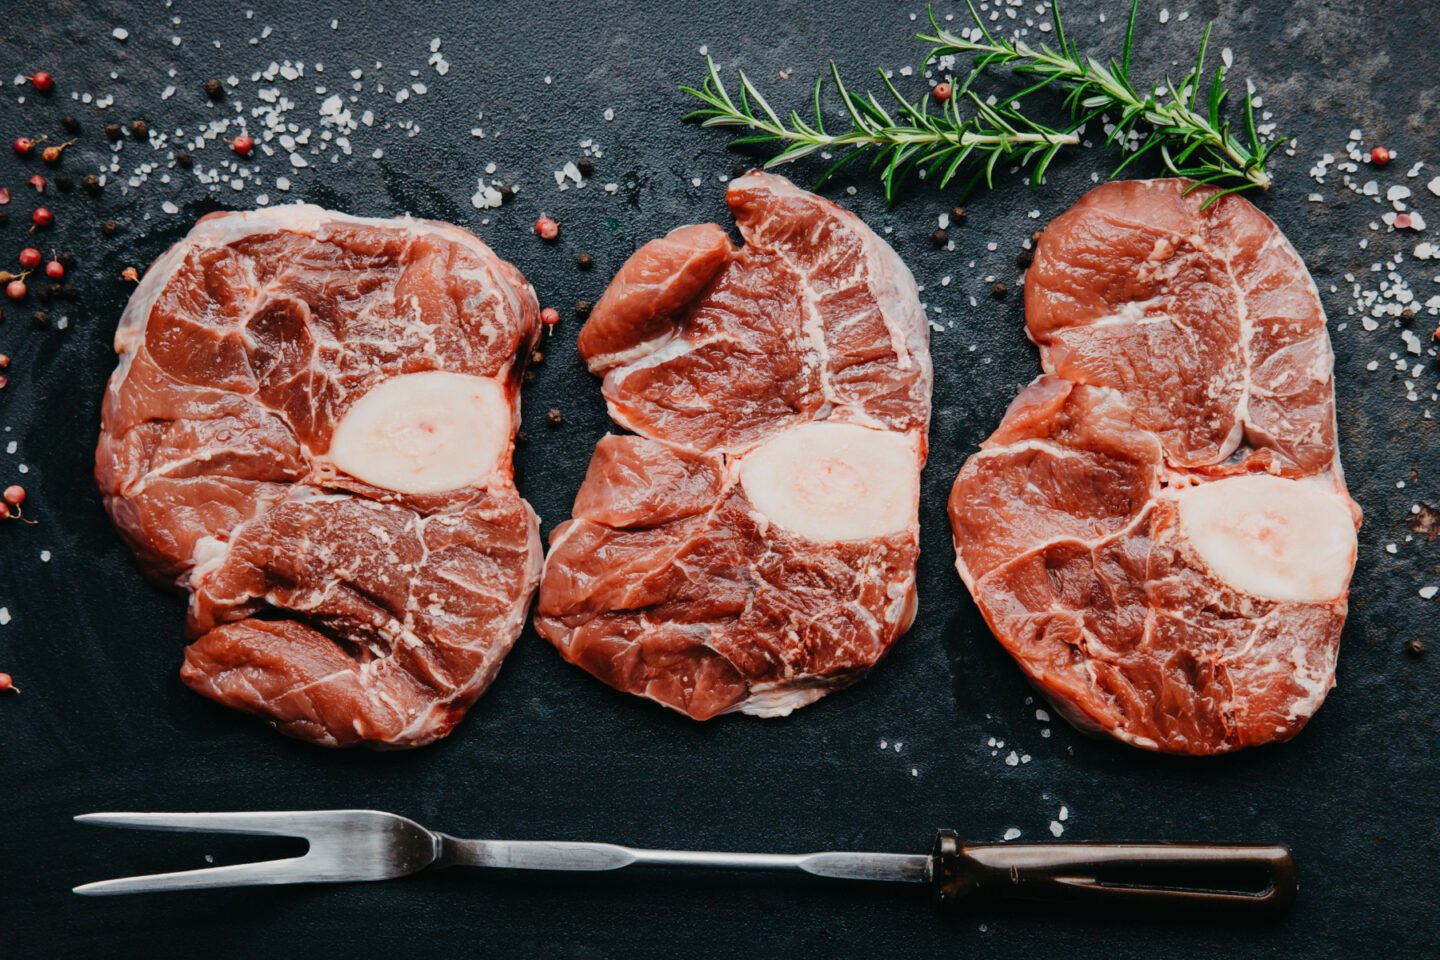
pixel 359 845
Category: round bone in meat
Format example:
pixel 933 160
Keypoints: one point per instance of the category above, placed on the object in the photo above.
pixel 835 481
pixel 310 431
pixel 425 433
pixel 1271 537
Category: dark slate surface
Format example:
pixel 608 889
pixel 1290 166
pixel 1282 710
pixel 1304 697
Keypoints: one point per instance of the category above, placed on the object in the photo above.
pixel 104 724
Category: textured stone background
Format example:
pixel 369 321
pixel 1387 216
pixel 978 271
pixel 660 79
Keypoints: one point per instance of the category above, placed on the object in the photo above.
pixel 104 723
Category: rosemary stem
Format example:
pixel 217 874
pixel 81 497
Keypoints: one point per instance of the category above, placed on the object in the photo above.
pixel 900 135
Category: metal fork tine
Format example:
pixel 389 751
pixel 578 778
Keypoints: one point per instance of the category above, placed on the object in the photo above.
pixel 241 874
pixel 345 846
pixel 281 824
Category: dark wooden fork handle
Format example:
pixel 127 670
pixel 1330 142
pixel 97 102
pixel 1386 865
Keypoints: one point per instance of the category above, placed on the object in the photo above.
pixel 1247 879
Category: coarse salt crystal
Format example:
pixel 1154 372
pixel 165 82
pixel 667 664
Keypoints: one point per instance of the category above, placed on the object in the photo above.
pixel 1012 833
pixel 120 33
pixel 1427 593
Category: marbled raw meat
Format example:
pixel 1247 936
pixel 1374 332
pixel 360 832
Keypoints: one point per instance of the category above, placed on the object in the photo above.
pixel 751 545
pixel 310 431
pixel 1159 530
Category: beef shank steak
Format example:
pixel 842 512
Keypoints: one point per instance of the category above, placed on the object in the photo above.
pixel 310 430
pixel 1159 530
pixel 751 545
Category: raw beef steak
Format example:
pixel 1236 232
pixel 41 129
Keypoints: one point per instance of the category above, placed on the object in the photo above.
pixel 752 545
pixel 1159 530
pixel 310 430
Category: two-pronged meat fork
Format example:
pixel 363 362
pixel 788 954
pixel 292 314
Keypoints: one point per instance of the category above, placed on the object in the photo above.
pixel 354 845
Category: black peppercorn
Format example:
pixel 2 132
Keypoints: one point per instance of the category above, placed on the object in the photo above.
pixel 1415 648
pixel 737 171
pixel 69 291
pixel 70 124
pixel 553 417
pixel 537 357
pixel 182 159
pixel 957 215
pixel 64 182
pixel 584 261
pixel 939 238
pixel 139 128
pixel 521 437
pixel 1023 259
pixel 1409 314
pixel 586 166
pixel 57 289
pixel 214 89
pixel 528 377
pixel 999 290
pixel 91 183
pixel 109 228
pixel 582 308
pixel 507 193
pixel 41 318
pixel 112 131
pixel 67 259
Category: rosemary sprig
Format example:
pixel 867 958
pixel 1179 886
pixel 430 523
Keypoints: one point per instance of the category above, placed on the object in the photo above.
pixel 911 138
pixel 1191 143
